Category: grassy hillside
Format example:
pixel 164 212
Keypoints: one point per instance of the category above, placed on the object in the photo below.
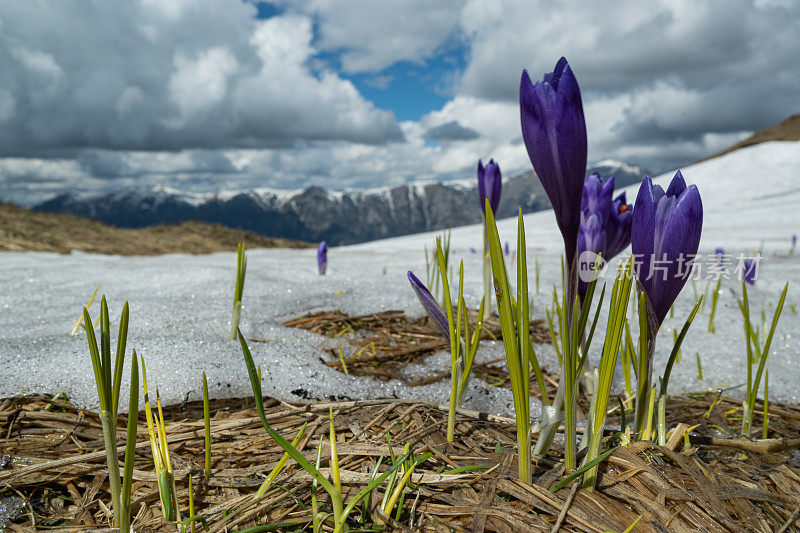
pixel 25 230
pixel 788 130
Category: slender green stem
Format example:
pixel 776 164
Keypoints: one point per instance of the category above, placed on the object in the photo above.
pixel 241 271
pixel 647 347
pixel 110 440
pixel 207 427
pixel 487 274
pixel 765 425
pixel 130 447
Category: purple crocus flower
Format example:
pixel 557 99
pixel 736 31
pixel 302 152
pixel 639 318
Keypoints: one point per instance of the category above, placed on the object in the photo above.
pixel 506 249
pixel 665 236
pixel 554 132
pixel 489 185
pixel 794 240
pixel 322 258
pixel 750 270
pixel 605 223
pixel 430 305
pixel 720 253
pixel 592 235
pixel 618 227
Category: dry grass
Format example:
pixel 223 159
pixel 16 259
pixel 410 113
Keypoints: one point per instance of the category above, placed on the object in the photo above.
pixel 54 460
pixel 387 341
pixel 25 230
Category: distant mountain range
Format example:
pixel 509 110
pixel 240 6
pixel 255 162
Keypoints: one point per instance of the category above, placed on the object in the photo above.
pixel 314 214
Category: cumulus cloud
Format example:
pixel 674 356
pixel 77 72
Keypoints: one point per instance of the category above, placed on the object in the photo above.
pixel 451 131
pixel 674 70
pixel 201 95
pixel 169 76
pixel 374 35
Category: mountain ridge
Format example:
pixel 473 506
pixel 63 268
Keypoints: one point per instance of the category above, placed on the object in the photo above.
pixel 313 214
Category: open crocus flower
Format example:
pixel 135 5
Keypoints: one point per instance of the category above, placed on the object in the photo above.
pixel 430 305
pixel 665 236
pixel 554 132
pixel 322 258
pixel 489 185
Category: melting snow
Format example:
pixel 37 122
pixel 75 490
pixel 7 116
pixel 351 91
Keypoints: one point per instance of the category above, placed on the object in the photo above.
pixel 181 304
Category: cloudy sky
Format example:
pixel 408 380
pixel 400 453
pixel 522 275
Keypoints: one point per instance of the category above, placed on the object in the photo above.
pixel 202 95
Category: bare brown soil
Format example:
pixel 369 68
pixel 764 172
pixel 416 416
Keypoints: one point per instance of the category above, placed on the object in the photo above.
pixel 25 230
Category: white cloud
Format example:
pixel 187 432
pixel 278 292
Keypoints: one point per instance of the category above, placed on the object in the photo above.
pixel 201 95
pixel 198 84
pixel 374 35
pixel 169 75
pixel 684 68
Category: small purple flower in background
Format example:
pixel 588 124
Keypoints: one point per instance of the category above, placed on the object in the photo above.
pixel 720 255
pixel 473 250
pixel 750 270
pixel 554 132
pixel 665 236
pixel 489 185
pixel 605 224
pixel 592 236
pixel 506 249
pixel 322 258
pixel 794 244
pixel 430 305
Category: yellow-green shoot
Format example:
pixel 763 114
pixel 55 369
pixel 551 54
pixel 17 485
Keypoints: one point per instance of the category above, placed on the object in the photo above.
pixel 79 322
pixel 572 344
pixel 108 380
pixel 757 354
pixel 160 451
pixel 281 464
pixel 463 346
pixel 673 357
pixel 514 327
pixel 620 296
pixel 340 511
pixel 514 324
pixel 714 298
pixel 241 270
pixel 765 425
pixel 433 269
pixel 207 428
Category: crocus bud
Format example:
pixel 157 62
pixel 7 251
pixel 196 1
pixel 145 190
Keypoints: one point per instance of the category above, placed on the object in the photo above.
pixel 430 305
pixel 750 270
pixel 322 258
pixel 489 185
pixel 665 236
pixel 554 132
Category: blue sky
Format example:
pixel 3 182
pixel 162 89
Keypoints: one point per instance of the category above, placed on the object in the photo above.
pixel 203 95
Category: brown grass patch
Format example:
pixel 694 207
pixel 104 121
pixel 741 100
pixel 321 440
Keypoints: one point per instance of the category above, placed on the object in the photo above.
pixel 54 461
pixel 24 230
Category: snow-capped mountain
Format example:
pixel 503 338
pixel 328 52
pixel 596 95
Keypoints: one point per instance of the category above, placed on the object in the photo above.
pixel 314 214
